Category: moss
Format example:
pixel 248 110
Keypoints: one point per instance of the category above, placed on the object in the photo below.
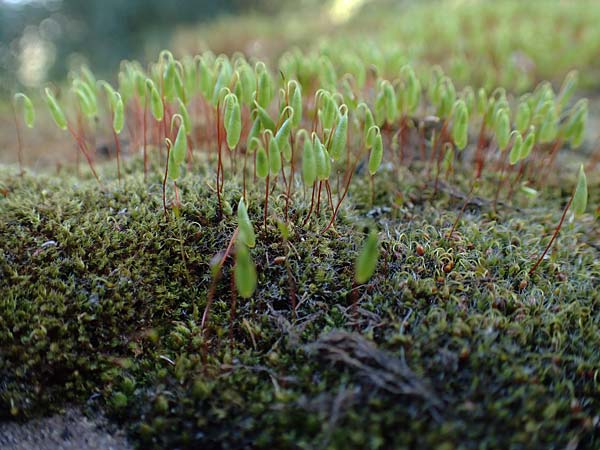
pixel 455 347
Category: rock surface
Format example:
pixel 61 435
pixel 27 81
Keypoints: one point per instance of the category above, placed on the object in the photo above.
pixel 71 430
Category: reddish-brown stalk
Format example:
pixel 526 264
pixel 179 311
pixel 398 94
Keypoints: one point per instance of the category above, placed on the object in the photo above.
pixel 479 157
pixel 83 147
pixel 554 235
pixel 81 133
pixel 212 290
pixel 553 153
pixel 479 164
pixel 515 182
pixel 318 212
pixel 283 177
pixel 312 202
pixel 438 168
pixel 434 150
pixel 349 173
pixel 329 199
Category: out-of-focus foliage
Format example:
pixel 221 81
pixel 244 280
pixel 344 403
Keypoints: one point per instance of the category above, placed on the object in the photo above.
pixel 40 39
pixel 510 43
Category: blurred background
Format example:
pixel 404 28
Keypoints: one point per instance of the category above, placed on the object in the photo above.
pixel 510 43
pixel 41 40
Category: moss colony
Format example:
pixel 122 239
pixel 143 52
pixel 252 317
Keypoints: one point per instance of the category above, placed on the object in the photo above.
pixel 456 347
pixel 120 289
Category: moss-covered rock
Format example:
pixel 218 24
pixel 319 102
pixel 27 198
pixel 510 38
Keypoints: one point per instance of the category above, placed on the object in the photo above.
pixel 454 346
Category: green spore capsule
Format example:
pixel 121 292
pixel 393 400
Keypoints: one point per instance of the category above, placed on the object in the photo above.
pixel 244 272
pixel 262 163
pixel 232 118
pixel 366 262
pixel 516 150
pixel 502 129
pixel 55 110
pixel 376 155
pixel 580 197
pixel 28 110
pixel 460 125
pixel 340 135
pixel 309 163
pixel 246 233
pixel 156 104
pixel 118 113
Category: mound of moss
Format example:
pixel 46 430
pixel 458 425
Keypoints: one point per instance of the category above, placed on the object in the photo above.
pixel 454 345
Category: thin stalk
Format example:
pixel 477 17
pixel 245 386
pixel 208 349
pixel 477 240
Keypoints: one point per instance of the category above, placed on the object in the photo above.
pixel 442 146
pixel 211 294
pixel 19 141
pixel 502 178
pixel 289 186
pixel 145 126
pixel 319 198
pixel 554 152
pixel 422 141
pixel 312 202
pixel 291 282
pixel 84 150
pixel 479 157
pixel 164 183
pixel 177 200
pixel 337 207
pixel 328 188
pixel 266 201
pixel 462 210
pixel 434 150
pixel 219 162
pixel 554 235
pixel 117 148
pixel 349 173
pixel 515 182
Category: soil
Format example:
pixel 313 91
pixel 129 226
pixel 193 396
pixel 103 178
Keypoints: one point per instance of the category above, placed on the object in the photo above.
pixel 71 430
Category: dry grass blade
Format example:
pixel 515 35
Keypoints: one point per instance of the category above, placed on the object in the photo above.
pixel 377 367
